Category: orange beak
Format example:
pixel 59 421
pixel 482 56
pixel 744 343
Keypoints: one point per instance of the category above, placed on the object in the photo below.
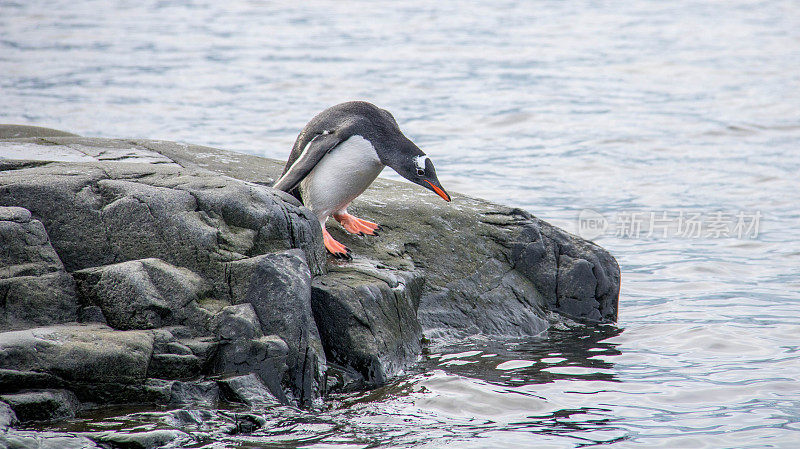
pixel 439 191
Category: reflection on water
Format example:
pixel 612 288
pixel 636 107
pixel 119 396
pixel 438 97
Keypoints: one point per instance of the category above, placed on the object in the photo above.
pixel 554 107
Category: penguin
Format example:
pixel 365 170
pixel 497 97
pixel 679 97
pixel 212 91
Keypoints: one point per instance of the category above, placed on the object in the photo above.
pixel 337 156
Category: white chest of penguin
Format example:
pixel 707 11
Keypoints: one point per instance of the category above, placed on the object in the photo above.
pixel 342 175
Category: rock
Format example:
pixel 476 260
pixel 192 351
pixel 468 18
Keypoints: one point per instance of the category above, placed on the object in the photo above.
pixel 368 323
pixel 248 390
pixel 42 405
pixel 146 294
pixel 238 322
pixel 37 300
pixel 245 423
pixel 244 348
pixel 577 278
pixel 171 359
pixel 150 439
pixel 175 392
pixel 342 379
pixel 14 380
pixel 22 215
pixel 204 393
pixel 204 348
pixel 21 131
pixel 103 213
pixel 78 353
pixel 278 286
pixel 91 314
pixel 183 418
pixel 264 356
pixel 35 439
pixel 7 417
pixel 449 244
pixel 34 287
pixel 203 269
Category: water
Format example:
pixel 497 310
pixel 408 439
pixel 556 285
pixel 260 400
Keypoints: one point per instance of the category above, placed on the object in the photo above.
pixel 622 108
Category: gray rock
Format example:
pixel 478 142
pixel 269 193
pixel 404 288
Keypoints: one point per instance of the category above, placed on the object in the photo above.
pixel 486 268
pixel 146 294
pixel 175 392
pixel 264 356
pixel 7 417
pixel 494 300
pixel 278 286
pixel 342 379
pixel 14 380
pixel 174 366
pixel 172 359
pixel 34 287
pixel 204 348
pixel 150 439
pixel 103 213
pixel 79 353
pixel 238 322
pixel 204 393
pixel 37 300
pixel 451 243
pixel 577 278
pixel 244 348
pixel 91 314
pixel 248 390
pixel 21 131
pixel 42 405
pixel 19 215
pixel 368 323
pixel 35 439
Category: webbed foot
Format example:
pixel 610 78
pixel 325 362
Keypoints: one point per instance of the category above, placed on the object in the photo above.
pixel 355 225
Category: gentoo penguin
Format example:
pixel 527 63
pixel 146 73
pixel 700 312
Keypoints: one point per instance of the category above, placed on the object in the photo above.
pixel 338 155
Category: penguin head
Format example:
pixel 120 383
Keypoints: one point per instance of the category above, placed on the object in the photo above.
pixel 392 147
pixel 417 167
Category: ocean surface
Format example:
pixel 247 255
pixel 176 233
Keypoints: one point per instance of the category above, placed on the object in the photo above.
pixel 668 132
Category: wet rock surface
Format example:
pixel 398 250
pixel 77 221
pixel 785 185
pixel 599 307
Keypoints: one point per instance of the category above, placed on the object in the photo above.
pixel 137 271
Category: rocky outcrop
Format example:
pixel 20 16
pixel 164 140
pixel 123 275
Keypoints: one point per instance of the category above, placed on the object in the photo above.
pixel 487 268
pixel 132 270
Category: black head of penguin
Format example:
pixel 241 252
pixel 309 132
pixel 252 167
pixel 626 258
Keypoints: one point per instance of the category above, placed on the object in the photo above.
pixel 413 164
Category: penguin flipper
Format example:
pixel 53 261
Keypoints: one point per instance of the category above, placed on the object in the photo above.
pixel 314 151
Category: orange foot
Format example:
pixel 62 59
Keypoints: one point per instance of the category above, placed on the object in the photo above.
pixel 334 247
pixel 356 225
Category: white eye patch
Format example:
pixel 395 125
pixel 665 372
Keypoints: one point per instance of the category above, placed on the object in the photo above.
pixel 419 161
